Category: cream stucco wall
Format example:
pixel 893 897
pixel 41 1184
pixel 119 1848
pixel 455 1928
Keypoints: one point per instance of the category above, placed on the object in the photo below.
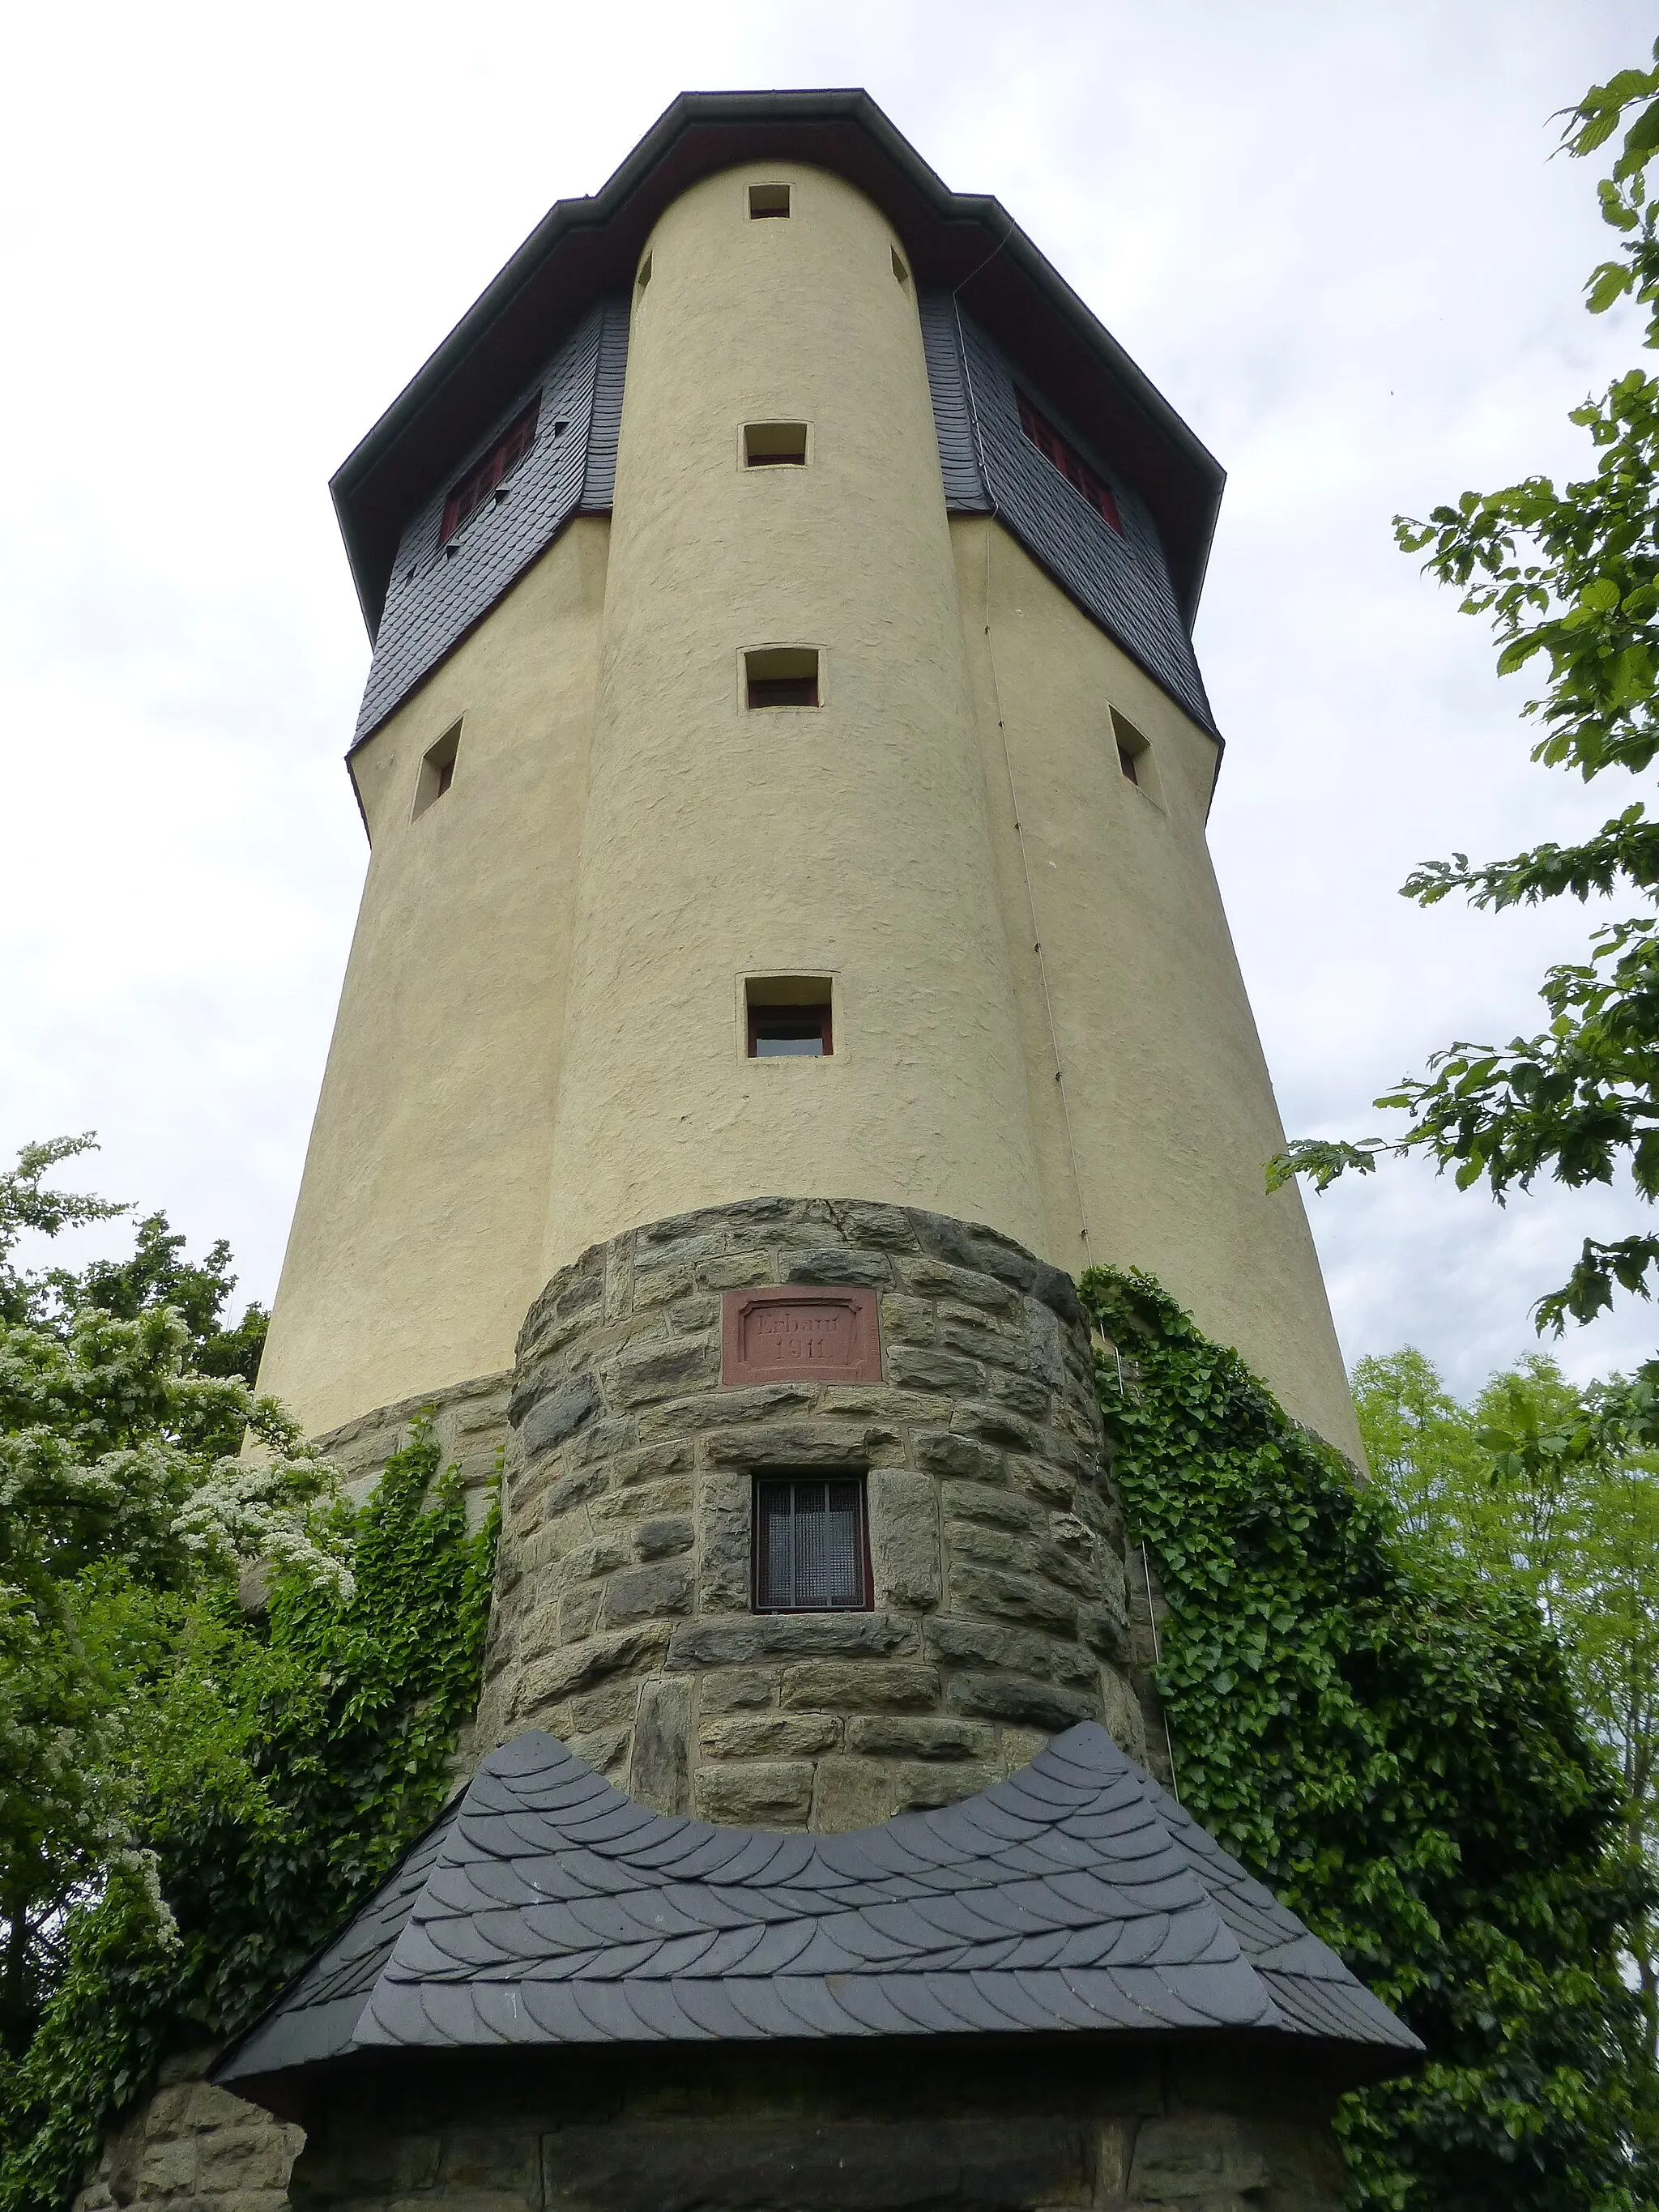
pixel 416 1241
pixel 850 840
pixel 1139 996
pixel 541 1039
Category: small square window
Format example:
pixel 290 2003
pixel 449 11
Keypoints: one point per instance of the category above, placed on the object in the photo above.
pixel 767 201
pixel 644 277
pixel 782 676
pixel 775 445
pixel 1134 755
pixel 787 1018
pixel 812 1549
pixel 899 269
pixel 437 769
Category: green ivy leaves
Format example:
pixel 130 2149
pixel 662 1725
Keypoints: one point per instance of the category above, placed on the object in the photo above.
pixel 1398 1754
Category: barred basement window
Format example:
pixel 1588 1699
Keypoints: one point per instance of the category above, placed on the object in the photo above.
pixel 1069 463
pixel 480 480
pixel 766 200
pixel 811 1545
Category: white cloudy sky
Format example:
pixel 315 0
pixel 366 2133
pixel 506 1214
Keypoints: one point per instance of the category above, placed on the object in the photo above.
pixel 1332 234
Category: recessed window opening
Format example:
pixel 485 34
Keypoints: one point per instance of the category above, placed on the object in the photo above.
pixel 899 269
pixel 767 201
pixel 788 1017
pixel 1069 463
pixel 437 770
pixel 1134 755
pixel 644 277
pixel 782 676
pixel 775 445
pixel 811 1544
pixel 482 478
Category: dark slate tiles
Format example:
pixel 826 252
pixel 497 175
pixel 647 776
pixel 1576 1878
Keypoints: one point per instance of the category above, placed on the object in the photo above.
pixel 435 595
pixel 548 1908
pixel 989 466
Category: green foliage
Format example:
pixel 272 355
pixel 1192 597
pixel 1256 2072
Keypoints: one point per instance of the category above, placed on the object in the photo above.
pixel 1569 578
pixel 1533 1484
pixel 291 1761
pixel 190 1797
pixel 1392 1746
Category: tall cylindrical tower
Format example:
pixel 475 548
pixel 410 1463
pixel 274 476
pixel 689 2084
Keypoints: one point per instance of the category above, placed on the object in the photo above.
pixel 727 843
pixel 785 770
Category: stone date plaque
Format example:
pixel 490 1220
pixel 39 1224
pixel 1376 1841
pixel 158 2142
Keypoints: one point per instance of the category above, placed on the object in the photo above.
pixel 791 1333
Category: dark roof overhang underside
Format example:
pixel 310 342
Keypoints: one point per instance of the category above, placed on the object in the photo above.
pixel 964 242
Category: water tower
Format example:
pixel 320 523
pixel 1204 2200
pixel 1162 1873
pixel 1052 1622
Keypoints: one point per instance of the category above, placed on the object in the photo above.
pixel 789 954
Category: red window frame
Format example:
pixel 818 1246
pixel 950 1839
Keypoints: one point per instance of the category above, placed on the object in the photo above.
pixel 815 1015
pixel 762 1597
pixel 482 478
pixel 1070 464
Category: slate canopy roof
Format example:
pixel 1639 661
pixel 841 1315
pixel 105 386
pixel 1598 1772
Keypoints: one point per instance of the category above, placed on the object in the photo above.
pixel 546 1909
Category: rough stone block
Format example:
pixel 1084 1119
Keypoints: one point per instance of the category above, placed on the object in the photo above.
pixel 796 1443
pixel 651 1463
pixel 739 1689
pixel 606 1751
pixel 885 1228
pixel 573 1490
pixel 742 1643
pixel 560 1414
pixel 1019 1697
pixel 935 1279
pixel 904 1550
pixel 603 1555
pixel 835 1264
pixel 660 1771
pixel 734 1271
pixel 922 1367
pixel 665 1535
pixel 1025 1394
pixel 665 1587
pixel 996 1424
pixel 904 1736
pixel 873 1686
pixel 611 1703
pixel 769 1735
pixel 653 1501
pixel 906 1320
pixel 757 1794
pixel 594 1661
pixel 578 1612
pixel 941 1452
pixel 643 1374
pixel 490 2165
pixel 852 1793
pixel 1024 1651
pixel 724 1508
pixel 726 1409
pixel 1022 1597
pixel 983 1502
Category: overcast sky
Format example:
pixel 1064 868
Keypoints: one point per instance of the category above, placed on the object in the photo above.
pixel 1334 235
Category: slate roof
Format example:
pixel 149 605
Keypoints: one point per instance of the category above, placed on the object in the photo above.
pixel 547 1908
pixel 583 250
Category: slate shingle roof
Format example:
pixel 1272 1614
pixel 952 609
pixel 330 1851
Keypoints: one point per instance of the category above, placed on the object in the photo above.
pixel 548 1908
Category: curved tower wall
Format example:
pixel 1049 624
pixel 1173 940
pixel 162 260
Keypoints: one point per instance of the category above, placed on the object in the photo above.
pixel 541 1043
pixel 850 840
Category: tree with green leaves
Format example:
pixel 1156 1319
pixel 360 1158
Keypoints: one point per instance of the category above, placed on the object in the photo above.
pixel 125 1506
pixel 192 1794
pixel 1526 1486
pixel 1569 580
